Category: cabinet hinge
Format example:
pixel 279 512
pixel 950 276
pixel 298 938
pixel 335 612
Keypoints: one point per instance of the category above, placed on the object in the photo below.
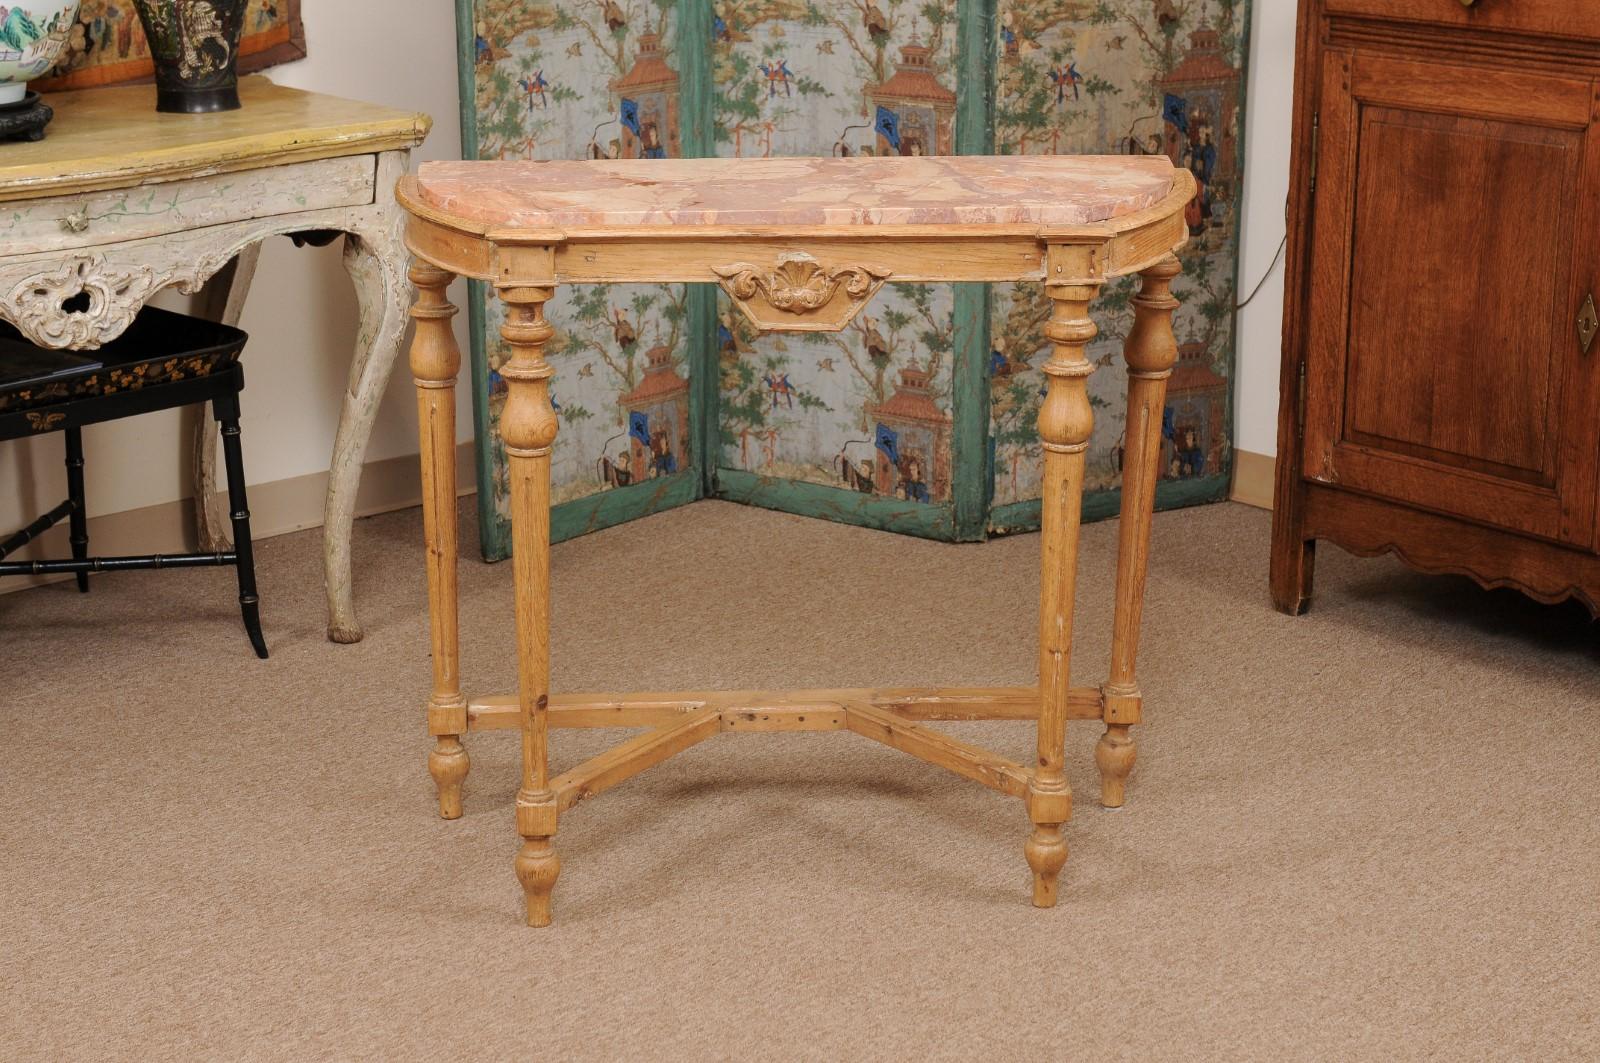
pixel 1316 147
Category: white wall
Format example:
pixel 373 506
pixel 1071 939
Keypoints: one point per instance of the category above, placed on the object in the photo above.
pixel 1266 190
pixel 301 315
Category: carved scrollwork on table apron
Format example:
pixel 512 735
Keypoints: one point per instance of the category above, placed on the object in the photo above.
pixel 799 293
pixel 88 301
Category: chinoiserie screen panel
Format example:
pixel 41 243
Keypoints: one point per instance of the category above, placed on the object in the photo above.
pixel 920 416
pixel 571 81
pixel 1124 77
pixel 865 413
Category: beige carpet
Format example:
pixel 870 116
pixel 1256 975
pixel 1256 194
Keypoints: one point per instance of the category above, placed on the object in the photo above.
pixel 1369 833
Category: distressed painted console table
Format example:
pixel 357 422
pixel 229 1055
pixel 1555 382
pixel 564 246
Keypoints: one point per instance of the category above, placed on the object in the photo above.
pixel 119 202
pixel 797 244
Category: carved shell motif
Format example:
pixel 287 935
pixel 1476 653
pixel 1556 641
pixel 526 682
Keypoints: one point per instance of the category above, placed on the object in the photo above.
pixel 82 304
pixel 799 285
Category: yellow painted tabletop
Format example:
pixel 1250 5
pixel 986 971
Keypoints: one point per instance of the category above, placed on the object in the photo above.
pixel 113 137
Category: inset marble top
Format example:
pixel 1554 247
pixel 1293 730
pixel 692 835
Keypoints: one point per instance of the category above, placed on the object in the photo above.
pixel 1047 191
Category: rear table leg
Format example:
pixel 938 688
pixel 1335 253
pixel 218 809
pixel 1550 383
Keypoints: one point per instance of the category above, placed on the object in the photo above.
pixel 1150 351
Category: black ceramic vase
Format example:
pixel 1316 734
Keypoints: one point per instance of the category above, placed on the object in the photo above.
pixel 195 45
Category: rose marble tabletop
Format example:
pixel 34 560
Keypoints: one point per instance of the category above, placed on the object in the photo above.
pixel 1048 191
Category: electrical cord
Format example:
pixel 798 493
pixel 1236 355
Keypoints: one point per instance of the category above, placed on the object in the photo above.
pixel 1276 258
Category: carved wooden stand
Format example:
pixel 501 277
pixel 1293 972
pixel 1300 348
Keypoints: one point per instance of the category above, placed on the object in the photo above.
pixel 822 286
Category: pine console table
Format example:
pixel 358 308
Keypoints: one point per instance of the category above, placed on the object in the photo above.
pixel 118 202
pixel 798 245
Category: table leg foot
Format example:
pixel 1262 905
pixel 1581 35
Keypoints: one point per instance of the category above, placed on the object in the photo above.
pixel 1049 807
pixel 448 764
pixel 1115 755
pixel 538 867
pixel 346 634
pixel 1047 855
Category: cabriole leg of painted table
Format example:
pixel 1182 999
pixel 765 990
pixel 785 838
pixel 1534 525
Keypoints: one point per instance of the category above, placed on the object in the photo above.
pixel 435 361
pixel 1065 422
pixel 528 426
pixel 376 261
pixel 1150 351
pixel 223 302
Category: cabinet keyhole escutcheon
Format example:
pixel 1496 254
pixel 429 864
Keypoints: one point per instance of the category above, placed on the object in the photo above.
pixel 1588 323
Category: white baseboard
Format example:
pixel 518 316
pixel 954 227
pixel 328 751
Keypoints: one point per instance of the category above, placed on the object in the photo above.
pixel 276 508
pixel 1253 478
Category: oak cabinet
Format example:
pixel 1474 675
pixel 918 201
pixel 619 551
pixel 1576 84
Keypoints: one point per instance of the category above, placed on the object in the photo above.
pixel 1441 394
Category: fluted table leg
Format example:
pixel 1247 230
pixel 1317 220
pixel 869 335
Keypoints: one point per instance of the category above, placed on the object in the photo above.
pixel 1150 350
pixel 528 426
pixel 1065 422
pixel 435 361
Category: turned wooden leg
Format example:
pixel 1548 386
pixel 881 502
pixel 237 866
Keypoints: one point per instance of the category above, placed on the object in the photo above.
pixel 1150 351
pixel 537 864
pixel 1065 421
pixel 448 763
pixel 528 425
pixel 435 361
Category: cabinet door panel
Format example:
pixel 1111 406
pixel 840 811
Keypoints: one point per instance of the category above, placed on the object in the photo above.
pixel 1487 212
pixel 1449 234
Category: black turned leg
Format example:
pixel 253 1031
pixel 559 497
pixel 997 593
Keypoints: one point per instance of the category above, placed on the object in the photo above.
pixel 227 411
pixel 79 518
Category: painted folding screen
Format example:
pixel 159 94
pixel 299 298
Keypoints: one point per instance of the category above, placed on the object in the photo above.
pixel 919 417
